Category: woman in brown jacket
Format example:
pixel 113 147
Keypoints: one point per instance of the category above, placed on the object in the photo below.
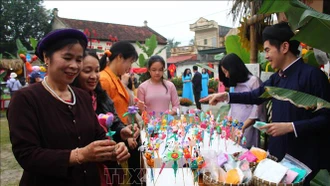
pixel 54 131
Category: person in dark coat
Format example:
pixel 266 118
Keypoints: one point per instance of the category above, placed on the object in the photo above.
pixel 55 134
pixel 197 86
pixel 88 80
pixel 302 133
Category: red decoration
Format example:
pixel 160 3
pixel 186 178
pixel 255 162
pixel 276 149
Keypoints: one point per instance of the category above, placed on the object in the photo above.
pixel 303 45
pixel 113 38
pixel 139 70
pixel 23 57
pixel 172 69
pixel 86 32
pixel 174 155
pixel 28 67
pixel 34 58
pixel 211 66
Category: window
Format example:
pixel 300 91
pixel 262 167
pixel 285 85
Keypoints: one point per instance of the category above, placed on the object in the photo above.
pixel 214 42
pixel 205 41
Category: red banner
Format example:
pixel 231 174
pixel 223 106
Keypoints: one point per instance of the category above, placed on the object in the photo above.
pixel 139 70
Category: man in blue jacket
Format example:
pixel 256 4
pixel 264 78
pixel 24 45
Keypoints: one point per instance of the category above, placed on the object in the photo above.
pixel 304 134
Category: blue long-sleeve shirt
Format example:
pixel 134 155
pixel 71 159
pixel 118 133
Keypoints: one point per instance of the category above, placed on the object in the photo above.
pixel 312 143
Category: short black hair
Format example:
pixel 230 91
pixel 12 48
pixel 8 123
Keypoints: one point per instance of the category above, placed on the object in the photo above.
pixel 279 33
pixel 236 68
pixel 195 67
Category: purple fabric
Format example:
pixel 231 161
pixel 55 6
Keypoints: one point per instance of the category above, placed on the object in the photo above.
pixel 56 35
pixel 242 112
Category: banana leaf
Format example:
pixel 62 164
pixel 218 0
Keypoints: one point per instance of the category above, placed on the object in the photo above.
pixel 321 179
pixel 206 67
pixel 151 43
pixel 33 43
pixel 313 26
pixel 21 48
pixel 142 61
pixel 233 45
pixel 299 99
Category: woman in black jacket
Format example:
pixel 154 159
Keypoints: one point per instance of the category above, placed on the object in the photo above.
pixel 88 80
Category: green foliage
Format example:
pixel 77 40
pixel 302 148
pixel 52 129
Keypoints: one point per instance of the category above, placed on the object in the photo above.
pixel 179 92
pixel 314 27
pixel 233 45
pixel 171 44
pixel 2 75
pixel 309 58
pixel 143 48
pixel 263 62
pixel 213 84
pixel 33 43
pixel 321 179
pixel 299 99
pixel 161 50
pixel 177 81
pixel 151 43
pixel 142 61
pixel 22 20
pixel 21 49
pixel 148 50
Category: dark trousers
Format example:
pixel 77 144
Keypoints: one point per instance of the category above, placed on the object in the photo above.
pixel 197 95
pixel 134 163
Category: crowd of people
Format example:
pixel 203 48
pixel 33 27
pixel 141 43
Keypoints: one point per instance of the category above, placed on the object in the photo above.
pixel 58 140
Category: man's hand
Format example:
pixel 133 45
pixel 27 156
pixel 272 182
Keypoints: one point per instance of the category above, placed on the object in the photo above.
pixel 278 129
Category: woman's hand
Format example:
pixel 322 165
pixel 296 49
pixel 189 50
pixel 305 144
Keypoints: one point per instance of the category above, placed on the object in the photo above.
pixel 132 144
pixel 173 113
pixel 98 151
pixel 126 132
pixel 140 104
pixel 121 152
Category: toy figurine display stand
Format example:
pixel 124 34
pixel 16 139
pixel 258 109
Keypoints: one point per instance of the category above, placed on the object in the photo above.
pixel 184 176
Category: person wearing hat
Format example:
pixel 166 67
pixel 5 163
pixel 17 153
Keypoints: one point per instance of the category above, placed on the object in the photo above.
pixel 35 77
pixel 304 134
pixel 13 84
pixel 54 131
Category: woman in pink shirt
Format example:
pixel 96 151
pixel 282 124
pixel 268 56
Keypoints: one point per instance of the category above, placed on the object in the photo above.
pixel 156 93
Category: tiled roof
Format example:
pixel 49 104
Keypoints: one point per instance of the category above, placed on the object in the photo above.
pixel 223 30
pixel 122 32
pixel 177 59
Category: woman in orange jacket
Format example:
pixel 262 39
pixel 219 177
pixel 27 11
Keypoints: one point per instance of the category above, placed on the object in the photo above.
pixel 119 60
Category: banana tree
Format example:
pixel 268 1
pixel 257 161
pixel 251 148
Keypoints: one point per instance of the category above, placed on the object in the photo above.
pixel 148 49
pixel 312 27
pixel 299 99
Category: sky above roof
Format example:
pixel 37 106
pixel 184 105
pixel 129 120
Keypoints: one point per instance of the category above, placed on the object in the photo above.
pixel 171 19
